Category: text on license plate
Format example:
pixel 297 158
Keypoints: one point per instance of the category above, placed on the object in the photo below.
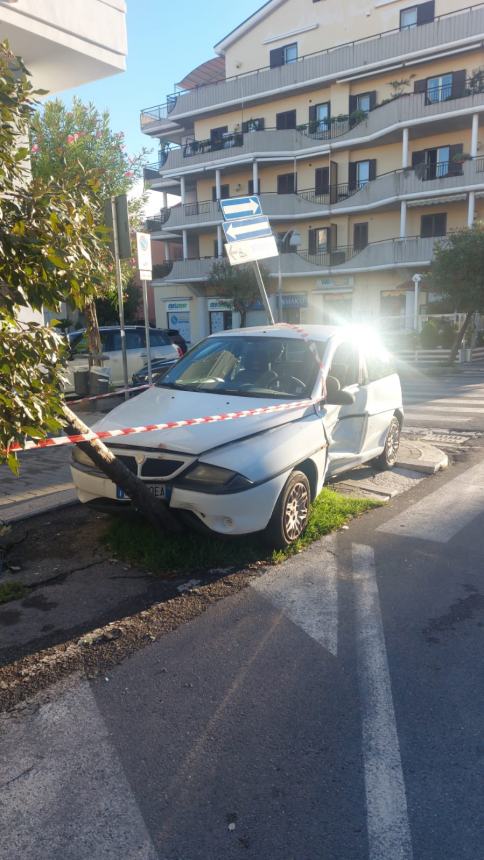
pixel 160 491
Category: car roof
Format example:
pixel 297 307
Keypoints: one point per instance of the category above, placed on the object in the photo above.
pixel 116 327
pixel 315 332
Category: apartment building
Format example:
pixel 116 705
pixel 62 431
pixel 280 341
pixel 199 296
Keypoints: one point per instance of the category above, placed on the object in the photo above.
pixel 358 124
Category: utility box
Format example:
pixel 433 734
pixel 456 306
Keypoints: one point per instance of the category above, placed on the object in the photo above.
pixel 81 380
pixel 99 378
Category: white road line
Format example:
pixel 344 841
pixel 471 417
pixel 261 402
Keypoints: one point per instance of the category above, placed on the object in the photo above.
pixel 64 793
pixel 386 804
pixel 307 592
pixel 442 514
pixel 431 408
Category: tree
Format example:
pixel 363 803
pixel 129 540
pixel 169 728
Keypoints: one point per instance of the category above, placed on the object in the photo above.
pixel 238 283
pixel 66 143
pixel 457 271
pixel 51 247
pixel 107 305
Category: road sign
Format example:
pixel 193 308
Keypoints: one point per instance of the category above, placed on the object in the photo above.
pixel 122 225
pixel 240 207
pixel 250 250
pixel 247 228
pixel 143 244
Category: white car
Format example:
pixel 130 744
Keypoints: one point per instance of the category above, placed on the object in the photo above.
pixel 259 472
pixel 160 345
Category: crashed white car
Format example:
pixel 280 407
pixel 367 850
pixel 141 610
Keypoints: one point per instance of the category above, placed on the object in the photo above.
pixel 259 472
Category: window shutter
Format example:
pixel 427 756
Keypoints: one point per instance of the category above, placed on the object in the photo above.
pixel 251 186
pixel 353 104
pixel 276 57
pixel 440 224
pixel 214 193
pixel 352 175
pixel 458 83
pixel 372 168
pixel 372 99
pixel 425 226
pixel 420 86
pixel 426 13
pixel 312 113
pixel 312 241
pixel 418 157
pixel 321 180
pixel 245 127
pixel 333 237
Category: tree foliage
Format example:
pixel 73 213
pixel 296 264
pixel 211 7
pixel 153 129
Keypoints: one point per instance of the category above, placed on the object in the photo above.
pixel 237 283
pixel 107 306
pixel 51 248
pixel 457 272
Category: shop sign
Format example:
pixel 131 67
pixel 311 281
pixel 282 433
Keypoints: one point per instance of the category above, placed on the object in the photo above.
pixel 220 305
pixel 295 300
pixel 180 307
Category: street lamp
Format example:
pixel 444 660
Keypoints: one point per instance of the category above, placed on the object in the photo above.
pixel 294 242
pixel 416 283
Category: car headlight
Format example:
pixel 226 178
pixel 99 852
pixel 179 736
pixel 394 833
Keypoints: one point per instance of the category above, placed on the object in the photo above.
pixel 83 459
pixel 214 479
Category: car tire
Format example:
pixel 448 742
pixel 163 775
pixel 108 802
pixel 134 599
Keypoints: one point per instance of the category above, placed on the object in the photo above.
pixel 388 457
pixel 291 513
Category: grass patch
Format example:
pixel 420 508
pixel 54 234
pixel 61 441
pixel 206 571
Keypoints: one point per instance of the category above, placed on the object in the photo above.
pixel 136 541
pixel 11 591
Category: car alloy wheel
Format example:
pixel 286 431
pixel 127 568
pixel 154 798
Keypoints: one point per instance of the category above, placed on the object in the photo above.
pixel 291 513
pixel 388 457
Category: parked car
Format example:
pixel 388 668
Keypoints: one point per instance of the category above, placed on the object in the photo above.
pixel 158 368
pixel 160 344
pixel 260 472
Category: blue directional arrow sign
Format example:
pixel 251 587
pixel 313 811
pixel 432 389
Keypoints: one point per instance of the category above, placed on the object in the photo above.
pixel 243 229
pixel 240 207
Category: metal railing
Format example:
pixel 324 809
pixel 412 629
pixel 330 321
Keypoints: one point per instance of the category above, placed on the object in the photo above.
pixel 159 112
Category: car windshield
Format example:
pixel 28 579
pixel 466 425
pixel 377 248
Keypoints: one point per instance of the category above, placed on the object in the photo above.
pixel 247 366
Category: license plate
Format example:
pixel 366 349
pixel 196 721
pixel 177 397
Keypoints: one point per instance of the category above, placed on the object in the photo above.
pixel 160 491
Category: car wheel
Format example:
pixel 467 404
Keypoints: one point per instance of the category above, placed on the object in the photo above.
pixel 291 513
pixel 388 457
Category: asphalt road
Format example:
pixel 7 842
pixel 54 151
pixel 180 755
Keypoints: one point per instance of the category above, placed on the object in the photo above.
pixel 452 401
pixel 331 711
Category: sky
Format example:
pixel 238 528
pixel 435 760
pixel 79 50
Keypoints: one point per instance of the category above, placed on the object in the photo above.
pixel 166 40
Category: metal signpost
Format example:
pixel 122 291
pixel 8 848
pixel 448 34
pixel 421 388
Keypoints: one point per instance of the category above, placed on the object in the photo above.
pixel 143 245
pixel 116 220
pixel 249 238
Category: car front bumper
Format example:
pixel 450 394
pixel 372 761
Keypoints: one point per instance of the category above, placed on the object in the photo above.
pixel 229 513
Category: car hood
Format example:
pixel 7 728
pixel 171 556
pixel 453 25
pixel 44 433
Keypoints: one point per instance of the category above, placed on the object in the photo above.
pixel 163 404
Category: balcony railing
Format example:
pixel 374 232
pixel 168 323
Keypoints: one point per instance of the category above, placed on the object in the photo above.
pixel 391 186
pixel 444 29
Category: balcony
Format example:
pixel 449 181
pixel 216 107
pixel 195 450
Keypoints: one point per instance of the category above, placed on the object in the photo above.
pixel 386 254
pixel 454 27
pixel 385 119
pixel 404 184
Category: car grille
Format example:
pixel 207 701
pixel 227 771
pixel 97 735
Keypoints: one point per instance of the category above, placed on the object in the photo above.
pixel 154 468
pixel 129 462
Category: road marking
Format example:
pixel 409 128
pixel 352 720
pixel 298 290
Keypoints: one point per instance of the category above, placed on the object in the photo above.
pixel 442 514
pixel 64 792
pixel 439 416
pixel 441 408
pixel 386 804
pixel 307 592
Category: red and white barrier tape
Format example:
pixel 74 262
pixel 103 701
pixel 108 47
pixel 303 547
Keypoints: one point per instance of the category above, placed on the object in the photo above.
pixel 109 394
pixel 166 425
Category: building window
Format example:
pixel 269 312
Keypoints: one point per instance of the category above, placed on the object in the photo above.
pixel 414 16
pixel 283 56
pixel 360 235
pixel 433 225
pixel 253 124
pixel 251 186
pixel 363 102
pixel 319 240
pixel 285 119
pixel 438 162
pixel 439 89
pixel 319 117
pixel 217 136
pixel 286 183
pixel 220 321
pixel 224 192
pixel 360 173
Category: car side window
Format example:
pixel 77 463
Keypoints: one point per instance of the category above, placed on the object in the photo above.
pixel 135 339
pixel 379 363
pixel 158 339
pixel 78 344
pixel 345 366
pixel 107 338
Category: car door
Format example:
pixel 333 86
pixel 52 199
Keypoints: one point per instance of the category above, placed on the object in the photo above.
pixel 136 350
pixel 113 362
pixel 345 426
pixel 384 395
pixel 161 346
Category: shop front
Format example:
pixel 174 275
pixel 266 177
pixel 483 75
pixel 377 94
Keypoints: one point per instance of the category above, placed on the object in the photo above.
pixel 220 315
pixel 178 317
